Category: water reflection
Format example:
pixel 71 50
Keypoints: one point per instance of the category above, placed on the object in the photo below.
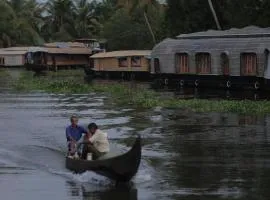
pixel 208 93
pixel 74 189
pixel 99 192
pixel 217 155
pixel 199 93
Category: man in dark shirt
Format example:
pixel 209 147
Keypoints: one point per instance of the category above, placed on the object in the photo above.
pixel 74 133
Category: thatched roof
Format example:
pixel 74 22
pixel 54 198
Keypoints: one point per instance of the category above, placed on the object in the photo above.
pixel 232 42
pixel 249 31
pixel 82 51
pixel 55 50
pixel 64 45
pixel 4 52
pixel 14 51
pixel 122 54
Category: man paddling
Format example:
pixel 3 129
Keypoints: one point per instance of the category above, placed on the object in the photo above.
pixel 98 143
pixel 73 134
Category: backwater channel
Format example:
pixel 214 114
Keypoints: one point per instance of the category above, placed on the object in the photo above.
pixel 186 155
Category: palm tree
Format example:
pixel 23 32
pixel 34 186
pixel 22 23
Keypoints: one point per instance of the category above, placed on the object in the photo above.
pixel 61 12
pixel 86 23
pixel 214 14
pixel 104 9
pixel 34 12
pixel 59 20
pixel 6 24
pixel 18 23
pixel 146 7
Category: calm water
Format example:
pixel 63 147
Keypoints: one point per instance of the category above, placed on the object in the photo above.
pixel 185 155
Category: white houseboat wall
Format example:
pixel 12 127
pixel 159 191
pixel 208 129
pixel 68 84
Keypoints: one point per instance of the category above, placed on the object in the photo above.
pixel 231 58
pixel 13 57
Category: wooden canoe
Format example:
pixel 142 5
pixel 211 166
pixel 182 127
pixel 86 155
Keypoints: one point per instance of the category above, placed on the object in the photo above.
pixel 120 168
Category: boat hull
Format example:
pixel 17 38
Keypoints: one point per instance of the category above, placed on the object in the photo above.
pixel 120 168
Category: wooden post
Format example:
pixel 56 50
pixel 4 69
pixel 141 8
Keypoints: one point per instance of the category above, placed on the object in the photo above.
pixel 150 28
pixel 214 14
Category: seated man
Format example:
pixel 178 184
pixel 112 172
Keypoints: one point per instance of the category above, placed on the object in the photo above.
pixel 73 134
pixel 98 142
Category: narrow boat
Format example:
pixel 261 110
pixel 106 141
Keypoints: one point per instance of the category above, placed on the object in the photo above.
pixel 120 168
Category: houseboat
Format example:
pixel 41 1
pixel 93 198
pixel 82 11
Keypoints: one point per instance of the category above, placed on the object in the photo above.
pixel 230 58
pixel 131 64
pixel 13 57
pixel 54 56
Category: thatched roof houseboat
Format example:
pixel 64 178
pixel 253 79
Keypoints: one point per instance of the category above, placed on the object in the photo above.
pixel 125 64
pixel 13 56
pixel 231 57
pixel 57 55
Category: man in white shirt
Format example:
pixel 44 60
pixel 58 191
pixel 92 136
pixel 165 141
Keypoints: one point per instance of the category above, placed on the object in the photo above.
pixel 98 142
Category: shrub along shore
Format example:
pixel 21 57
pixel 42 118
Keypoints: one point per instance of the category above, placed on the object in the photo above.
pixel 134 95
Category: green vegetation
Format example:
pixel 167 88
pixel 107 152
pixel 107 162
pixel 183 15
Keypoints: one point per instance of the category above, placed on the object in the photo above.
pixel 128 94
pixel 195 15
pixel 5 78
pixel 124 23
pixel 31 22
pixel 3 73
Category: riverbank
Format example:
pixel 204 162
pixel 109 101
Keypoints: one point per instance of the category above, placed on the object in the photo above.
pixel 133 95
pixel 3 73
pixel 5 78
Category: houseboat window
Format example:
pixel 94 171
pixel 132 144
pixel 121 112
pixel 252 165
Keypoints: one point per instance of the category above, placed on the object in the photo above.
pixel 123 62
pixel 156 65
pixel 224 62
pixel 45 58
pixel 182 65
pixel 37 57
pixel 91 63
pixel 203 63
pixel 136 61
pixel 149 64
pixel 248 64
pixel 2 61
pixel 266 60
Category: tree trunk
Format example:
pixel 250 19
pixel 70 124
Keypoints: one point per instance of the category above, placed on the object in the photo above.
pixel 150 29
pixel 214 14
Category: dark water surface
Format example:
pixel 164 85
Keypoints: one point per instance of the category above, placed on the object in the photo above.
pixel 185 155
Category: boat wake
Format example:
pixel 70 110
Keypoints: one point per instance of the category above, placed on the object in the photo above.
pixel 144 174
pixel 51 160
pixel 45 159
pixel 86 177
